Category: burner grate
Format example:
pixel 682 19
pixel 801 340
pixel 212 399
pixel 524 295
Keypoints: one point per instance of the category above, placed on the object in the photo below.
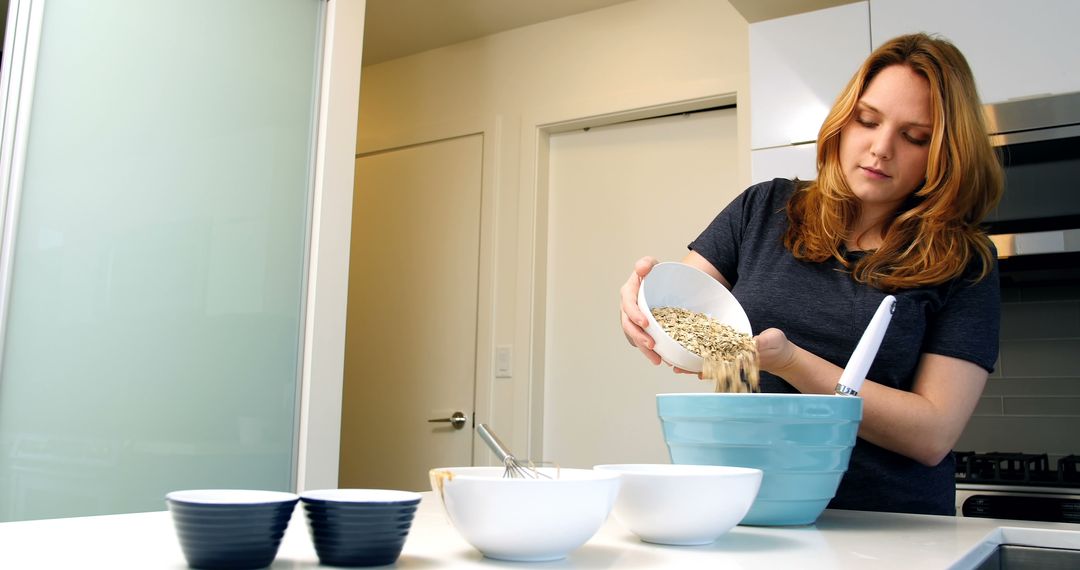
pixel 1013 468
pixel 1069 469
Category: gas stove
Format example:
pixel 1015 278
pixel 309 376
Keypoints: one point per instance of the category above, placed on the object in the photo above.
pixel 1021 486
pixel 1026 469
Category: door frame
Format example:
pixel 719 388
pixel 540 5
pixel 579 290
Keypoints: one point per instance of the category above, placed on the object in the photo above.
pixel 322 358
pixel 535 174
pixel 22 40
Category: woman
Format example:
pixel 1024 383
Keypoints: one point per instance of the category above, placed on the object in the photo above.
pixel 906 174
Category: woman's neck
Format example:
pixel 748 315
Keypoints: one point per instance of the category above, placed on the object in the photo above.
pixel 864 242
pixel 867 232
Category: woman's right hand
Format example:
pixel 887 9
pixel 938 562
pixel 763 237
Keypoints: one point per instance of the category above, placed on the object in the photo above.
pixel 633 320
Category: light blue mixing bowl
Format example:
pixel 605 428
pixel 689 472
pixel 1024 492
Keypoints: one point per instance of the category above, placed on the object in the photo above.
pixel 801 442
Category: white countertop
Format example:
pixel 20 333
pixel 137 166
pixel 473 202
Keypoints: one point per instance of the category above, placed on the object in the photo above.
pixel 840 539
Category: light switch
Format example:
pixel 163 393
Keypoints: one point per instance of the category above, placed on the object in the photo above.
pixel 504 355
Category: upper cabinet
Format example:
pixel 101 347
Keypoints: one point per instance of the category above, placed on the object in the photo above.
pixel 1015 49
pixel 798 65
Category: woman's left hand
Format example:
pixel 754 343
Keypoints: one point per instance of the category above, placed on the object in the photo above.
pixel 775 351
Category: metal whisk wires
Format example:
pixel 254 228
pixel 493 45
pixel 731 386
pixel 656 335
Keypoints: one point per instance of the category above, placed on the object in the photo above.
pixel 513 469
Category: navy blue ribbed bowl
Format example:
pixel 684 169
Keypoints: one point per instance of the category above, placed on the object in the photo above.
pixel 359 527
pixel 230 528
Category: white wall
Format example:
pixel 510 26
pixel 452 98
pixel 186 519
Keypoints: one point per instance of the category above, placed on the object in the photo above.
pixel 629 57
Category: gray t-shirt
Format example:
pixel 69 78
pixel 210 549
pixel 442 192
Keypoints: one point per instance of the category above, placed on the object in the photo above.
pixel 823 310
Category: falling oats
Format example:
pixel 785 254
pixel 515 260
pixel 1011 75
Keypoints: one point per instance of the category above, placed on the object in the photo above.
pixel 731 358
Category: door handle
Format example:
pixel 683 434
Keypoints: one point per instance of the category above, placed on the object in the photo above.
pixel 457 419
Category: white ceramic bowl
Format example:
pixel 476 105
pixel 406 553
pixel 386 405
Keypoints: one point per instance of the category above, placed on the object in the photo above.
pixel 525 520
pixel 683 504
pixel 672 284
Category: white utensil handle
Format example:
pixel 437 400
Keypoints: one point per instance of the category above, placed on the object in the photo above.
pixel 851 380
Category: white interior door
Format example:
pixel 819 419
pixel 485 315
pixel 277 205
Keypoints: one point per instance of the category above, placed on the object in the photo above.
pixel 617 193
pixel 410 338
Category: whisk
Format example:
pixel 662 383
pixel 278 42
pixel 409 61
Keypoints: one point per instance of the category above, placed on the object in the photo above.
pixel 514 469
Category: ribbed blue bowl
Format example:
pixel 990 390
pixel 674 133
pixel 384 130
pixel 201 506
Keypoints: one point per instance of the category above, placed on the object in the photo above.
pixel 231 529
pixel 801 442
pixel 359 527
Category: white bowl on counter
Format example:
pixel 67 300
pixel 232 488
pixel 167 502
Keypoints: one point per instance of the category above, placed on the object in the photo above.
pixel 525 520
pixel 683 505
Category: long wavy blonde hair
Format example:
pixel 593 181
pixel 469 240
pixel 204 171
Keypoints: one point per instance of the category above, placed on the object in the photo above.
pixel 936 233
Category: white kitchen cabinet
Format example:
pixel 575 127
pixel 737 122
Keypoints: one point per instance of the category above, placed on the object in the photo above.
pixel 798 65
pixel 792 161
pixel 1016 49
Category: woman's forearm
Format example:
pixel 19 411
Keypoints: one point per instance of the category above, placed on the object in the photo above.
pixel 908 423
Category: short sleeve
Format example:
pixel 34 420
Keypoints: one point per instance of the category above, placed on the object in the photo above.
pixel 721 241
pixel 968 324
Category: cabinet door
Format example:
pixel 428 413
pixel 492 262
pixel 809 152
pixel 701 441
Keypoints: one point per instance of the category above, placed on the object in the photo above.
pixel 798 65
pixel 793 161
pixel 1016 49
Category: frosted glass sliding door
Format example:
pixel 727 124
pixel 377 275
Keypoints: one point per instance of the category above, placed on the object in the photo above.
pixel 155 236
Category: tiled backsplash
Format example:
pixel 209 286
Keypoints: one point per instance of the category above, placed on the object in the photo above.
pixel 1032 402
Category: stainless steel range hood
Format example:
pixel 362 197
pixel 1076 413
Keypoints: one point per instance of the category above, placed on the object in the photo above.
pixel 1034 119
pixel 1037 243
pixel 1038 218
